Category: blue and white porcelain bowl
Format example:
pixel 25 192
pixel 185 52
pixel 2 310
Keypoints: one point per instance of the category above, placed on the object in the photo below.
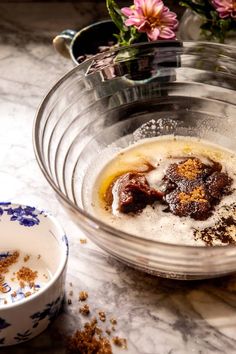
pixel 35 247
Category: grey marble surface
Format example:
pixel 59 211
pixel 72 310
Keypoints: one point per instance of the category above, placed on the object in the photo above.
pixel 157 316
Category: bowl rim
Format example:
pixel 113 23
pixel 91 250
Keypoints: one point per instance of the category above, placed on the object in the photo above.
pixel 62 262
pixel 86 218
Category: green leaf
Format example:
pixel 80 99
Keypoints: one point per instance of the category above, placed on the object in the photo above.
pixel 116 15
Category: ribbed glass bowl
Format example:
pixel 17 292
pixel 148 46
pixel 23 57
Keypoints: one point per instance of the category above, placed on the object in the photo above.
pixel 184 88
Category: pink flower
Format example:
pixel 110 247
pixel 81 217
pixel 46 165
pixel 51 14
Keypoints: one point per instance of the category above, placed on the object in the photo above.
pixel 152 17
pixel 225 8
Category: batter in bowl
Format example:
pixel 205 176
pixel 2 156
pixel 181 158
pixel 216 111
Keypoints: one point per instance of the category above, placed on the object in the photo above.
pixel 172 189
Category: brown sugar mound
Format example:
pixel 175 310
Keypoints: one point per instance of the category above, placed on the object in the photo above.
pixel 87 341
pixel 193 188
pixel 26 274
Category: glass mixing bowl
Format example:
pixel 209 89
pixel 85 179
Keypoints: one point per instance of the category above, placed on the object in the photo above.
pixel 119 97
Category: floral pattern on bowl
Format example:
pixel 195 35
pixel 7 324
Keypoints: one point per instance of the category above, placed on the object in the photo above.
pixel 19 226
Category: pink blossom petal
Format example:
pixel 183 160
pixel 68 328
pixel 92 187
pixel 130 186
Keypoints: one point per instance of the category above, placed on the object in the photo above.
pixel 158 8
pixel 152 17
pixel 225 8
pixel 133 22
pixel 167 33
pixel 126 11
pixel 153 34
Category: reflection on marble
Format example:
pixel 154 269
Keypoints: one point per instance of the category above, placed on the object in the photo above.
pixel 157 316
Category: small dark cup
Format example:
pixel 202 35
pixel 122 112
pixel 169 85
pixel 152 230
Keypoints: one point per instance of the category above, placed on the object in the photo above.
pixel 74 45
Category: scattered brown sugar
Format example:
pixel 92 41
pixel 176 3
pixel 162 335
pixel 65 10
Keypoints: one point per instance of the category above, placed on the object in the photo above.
pixel 108 331
pixel 69 301
pixel 88 342
pixel 83 240
pixel 71 293
pixel 2 288
pixel 26 274
pixel 120 342
pixel 4 265
pixel 190 168
pixel 39 256
pixel 102 316
pixel 26 258
pixel 8 261
pixel 84 310
pixel 22 284
pixel 14 294
pixel 98 331
pixel 113 321
pixel 83 295
pixel 28 293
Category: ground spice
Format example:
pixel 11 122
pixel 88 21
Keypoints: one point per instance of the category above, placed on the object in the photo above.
pixel 83 295
pixel 26 274
pixel 224 229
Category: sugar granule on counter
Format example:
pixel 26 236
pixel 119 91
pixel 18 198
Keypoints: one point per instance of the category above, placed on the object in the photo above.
pixel 120 342
pixel 102 316
pixel 83 295
pixel 83 241
pixel 113 321
pixel 87 341
pixel 26 274
pixel 84 310
pixel 108 331
pixel 26 258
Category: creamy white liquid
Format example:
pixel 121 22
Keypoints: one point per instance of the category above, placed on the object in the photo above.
pixel 153 223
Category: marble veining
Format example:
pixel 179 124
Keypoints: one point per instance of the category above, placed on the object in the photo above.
pixel 157 316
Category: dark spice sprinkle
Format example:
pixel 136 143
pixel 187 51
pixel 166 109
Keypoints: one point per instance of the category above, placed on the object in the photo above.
pixel 224 230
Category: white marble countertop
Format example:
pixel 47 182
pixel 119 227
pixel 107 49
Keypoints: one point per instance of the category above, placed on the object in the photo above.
pixel 157 316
